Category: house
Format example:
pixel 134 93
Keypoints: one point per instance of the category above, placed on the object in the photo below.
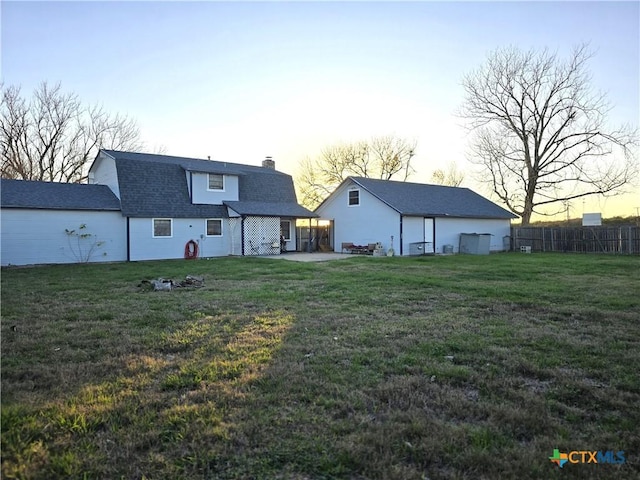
pixel 420 218
pixel 140 206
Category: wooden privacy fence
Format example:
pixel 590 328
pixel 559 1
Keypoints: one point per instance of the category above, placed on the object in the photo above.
pixel 620 239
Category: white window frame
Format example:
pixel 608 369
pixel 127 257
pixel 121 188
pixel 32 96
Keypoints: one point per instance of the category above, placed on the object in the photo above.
pixel 153 228
pixel 209 182
pixel 349 197
pixel 287 237
pixel 206 227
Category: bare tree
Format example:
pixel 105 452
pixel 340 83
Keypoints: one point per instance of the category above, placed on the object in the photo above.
pixel 541 133
pixel 53 136
pixel 386 157
pixel 451 177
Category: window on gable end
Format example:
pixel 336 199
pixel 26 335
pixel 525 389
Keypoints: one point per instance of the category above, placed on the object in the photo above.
pixel 216 181
pixel 354 198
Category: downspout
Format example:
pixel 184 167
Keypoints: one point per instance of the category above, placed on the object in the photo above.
pixel 434 235
pixel 128 241
pixel 242 234
pixel 332 226
pixel 401 235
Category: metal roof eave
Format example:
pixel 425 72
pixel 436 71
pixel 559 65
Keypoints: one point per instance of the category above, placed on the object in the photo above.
pixel 79 209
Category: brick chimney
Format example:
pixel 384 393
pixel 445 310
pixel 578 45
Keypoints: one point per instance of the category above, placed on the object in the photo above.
pixel 269 163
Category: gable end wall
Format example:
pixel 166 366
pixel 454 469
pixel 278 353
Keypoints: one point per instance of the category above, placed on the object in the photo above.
pixel 371 222
pixel 104 172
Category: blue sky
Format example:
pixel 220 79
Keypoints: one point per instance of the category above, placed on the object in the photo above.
pixel 239 80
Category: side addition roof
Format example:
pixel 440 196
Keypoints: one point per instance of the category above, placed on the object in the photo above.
pixel 271 209
pixel 264 193
pixel 432 200
pixel 57 196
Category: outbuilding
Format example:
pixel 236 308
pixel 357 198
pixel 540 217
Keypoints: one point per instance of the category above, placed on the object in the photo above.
pixel 410 218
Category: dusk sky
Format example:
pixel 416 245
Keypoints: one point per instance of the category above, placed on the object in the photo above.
pixel 238 81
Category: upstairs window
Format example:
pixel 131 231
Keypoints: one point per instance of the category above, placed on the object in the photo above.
pixel 216 181
pixel 214 227
pixel 354 198
pixel 162 227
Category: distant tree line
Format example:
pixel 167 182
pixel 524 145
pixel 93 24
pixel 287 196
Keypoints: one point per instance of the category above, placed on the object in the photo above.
pixel 577 222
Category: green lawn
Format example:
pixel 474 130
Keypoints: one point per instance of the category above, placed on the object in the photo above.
pixel 367 368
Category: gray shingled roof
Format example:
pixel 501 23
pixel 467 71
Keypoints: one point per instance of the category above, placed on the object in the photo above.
pixel 192 164
pixel 57 196
pixel 158 190
pixel 155 185
pixel 432 200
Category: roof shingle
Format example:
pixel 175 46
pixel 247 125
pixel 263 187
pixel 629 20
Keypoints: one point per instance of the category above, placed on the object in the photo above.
pixel 57 196
pixel 432 200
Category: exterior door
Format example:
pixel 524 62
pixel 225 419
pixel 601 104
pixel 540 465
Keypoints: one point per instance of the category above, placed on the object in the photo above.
pixel 429 235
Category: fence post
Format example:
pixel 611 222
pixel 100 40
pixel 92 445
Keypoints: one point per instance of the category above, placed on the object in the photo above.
pixel 619 239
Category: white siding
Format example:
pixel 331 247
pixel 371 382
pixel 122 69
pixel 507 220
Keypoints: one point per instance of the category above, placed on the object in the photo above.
pixel 34 236
pixel 448 231
pixel 143 246
pixel 201 195
pixel 370 222
pixel 103 172
pixel 412 231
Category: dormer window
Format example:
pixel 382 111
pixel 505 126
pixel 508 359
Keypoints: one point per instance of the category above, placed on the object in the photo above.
pixel 216 181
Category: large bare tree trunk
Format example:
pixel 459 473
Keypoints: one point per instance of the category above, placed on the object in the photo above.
pixel 540 131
